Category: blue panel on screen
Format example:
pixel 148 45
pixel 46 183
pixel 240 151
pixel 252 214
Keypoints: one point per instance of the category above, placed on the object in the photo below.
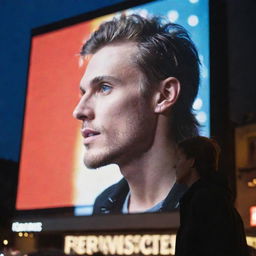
pixel 194 16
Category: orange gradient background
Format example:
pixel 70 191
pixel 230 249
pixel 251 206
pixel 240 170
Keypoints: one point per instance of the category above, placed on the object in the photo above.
pixel 50 131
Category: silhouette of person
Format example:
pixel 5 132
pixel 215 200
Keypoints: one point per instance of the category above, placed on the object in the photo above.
pixel 209 223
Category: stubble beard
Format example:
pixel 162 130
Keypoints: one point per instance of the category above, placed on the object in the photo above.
pixel 94 159
pixel 114 153
pixel 120 148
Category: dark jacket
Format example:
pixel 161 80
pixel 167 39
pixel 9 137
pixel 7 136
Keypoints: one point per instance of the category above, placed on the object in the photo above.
pixel 112 199
pixel 209 224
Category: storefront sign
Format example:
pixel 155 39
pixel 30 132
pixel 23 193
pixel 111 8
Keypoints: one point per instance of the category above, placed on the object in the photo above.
pixel 27 226
pixel 251 241
pixel 147 244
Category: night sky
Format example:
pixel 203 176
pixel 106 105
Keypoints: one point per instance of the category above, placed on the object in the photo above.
pixel 17 18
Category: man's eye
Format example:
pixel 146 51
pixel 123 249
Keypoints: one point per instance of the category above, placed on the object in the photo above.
pixel 105 88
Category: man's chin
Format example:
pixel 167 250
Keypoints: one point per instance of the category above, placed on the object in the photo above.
pixel 95 162
pixel 92 164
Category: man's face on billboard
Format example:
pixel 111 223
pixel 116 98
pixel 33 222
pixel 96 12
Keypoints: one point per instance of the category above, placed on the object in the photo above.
pixel 118 123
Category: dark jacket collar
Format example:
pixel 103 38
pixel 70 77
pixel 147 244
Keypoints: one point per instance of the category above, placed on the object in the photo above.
pixel 119 191
pixel 217 182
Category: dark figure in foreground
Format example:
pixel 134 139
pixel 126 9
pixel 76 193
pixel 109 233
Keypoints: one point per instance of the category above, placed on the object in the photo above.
pixel 209 223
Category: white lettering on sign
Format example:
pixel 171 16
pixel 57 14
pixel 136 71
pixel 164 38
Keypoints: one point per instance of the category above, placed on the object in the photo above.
pixel 27 226
pixel 251 241
pixel 147 244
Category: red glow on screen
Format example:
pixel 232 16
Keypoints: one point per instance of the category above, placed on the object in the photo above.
pixel 253 216
pixel 50 131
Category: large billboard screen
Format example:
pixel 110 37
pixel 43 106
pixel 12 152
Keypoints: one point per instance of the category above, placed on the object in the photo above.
pixel 52 173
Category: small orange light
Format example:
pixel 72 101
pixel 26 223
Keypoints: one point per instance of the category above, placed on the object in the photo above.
pixel 250 184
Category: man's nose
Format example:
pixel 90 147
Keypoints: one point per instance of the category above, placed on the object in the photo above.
pixel 83 111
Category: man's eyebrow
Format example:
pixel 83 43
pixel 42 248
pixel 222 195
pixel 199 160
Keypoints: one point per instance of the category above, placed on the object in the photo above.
pixel 99 79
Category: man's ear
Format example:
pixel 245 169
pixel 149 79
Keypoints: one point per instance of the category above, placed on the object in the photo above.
pixel 191 162
pixel 167 95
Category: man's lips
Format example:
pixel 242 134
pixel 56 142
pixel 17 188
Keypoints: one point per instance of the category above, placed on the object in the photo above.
pixel 89 135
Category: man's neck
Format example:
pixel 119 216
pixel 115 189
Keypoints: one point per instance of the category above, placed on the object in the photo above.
pixel 150 177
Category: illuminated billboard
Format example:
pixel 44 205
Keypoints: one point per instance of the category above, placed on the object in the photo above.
pixel 52 173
